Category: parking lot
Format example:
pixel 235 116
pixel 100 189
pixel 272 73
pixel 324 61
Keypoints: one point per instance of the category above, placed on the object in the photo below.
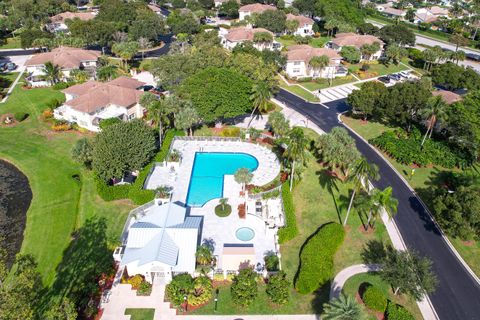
pixel 18 60
pixel 392 79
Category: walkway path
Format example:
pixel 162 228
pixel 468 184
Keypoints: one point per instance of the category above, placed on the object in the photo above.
pixel 347 273
pixel 12 86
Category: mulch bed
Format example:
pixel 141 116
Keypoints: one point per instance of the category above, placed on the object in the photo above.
pixel 4 117
pixel 362 230
pixel 379 315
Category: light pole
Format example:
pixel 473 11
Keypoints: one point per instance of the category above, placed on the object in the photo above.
pixel 216 300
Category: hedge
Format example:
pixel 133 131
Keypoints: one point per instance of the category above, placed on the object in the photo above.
pixel 407 149
pixel 397 312
pixel 135 191
pixel 20 116
pixel 290 231
pixel 374 299
pixel 316 258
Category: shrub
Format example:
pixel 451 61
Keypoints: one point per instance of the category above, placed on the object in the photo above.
pixel 108 122
pixel 20 116
pixel 202 291
pixel 244 289
pixel 278 288
pixel 204 131
pixel 304 79
pixel 241 211
pixel 230 132
pixel 397 312
pixel 144 289
pixel 223 213
pixel 289 231
pixel 47 114
pixel 61 126
pixel 54 103
pixel 407 149
pixel 135 281
pixel 63 85
pixel 374 299
pixel 365 67
pixel 271 261
pixel 198 290
pixel 316 258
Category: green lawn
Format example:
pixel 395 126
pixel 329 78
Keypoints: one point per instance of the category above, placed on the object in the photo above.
pixel 421 181
pixel 298 91
pixel 140 314
pixel 375 70
pixel 10 43
pixel 314 42
pixel 353 284
pixel 324 83
pixel 64 195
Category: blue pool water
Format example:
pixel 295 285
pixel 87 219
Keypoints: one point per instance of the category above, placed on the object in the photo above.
pixel 206 181
pixel 245 234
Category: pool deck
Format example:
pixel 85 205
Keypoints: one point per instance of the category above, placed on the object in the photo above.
pixel 268 165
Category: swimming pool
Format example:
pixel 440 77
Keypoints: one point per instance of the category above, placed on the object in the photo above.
pixel 206 181
pixel 245 234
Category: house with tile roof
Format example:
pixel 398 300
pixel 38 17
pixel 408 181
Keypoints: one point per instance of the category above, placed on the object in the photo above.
pixel 230 38
pixel 299 56
pixel 429 15
pixel 66 58
pixel 358 41
pixel 249 9
pixel 305 25
pixel 90 102
pixel 448 97
pixel 58 22
pixel 159 243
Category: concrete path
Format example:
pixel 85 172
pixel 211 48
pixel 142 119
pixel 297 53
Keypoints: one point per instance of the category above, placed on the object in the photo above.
pixel 12 87
pixel 347 273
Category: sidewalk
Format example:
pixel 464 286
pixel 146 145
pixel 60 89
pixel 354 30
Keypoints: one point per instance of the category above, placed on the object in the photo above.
pixel 347 273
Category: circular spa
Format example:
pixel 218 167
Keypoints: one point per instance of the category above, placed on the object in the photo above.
pixel 245 234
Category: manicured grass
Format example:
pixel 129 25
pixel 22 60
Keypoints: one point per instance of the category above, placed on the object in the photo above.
pixel 299 91
pixel 324 83
pixel 375 70
pixel 140 314
pixel 352 285
pixel 64 194
pixel 314 42
pixel 10 43
pixel 421 181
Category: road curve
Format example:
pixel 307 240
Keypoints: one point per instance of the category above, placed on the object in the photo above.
pixel 458 293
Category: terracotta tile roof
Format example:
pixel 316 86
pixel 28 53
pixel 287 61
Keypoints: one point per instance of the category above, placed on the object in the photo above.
pixel 355 40
pixel 61 17
pixel 94 95
pixel 243 34
pixel 256 7
pixel 448 96
pixel 304 52
pixel 436 10
pixel 395 12
pixel 154 8
pixel 425 17
pixel 65 57
pixel 302 20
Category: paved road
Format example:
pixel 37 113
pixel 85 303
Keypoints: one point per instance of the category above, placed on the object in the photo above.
pixel 458 294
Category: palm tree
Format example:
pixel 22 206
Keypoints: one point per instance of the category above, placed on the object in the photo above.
pixel 368 50
pixel 144 44
pixel 204 255
pixel 223 202
pixel 435 109
pixel 52 72
pixel 295 151
pixel 382 200
pixel 458 56
pixel 186 118
pixel 262 38
pixel 363 171
pixel 343 308
pixel 182 39
pixel 79 76
pixel 394 53
pixel 107 72
pixel 261 94
pixel 125 50
pixel 429 56
pixel 243 176
pixel 155 111
pixel 319 62
pixel 291 26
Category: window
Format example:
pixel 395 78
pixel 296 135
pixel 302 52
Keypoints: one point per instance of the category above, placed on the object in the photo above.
pixel 296 63
pixel 296 70
pixel 132 116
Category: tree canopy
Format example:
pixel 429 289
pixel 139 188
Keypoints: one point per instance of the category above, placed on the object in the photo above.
pixel 121 147
pixel 183 22
pixel 397 33
pixel 218 93
pixel 273 20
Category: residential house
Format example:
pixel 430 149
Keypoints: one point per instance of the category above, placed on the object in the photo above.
pixel 299 56
pixel 155 8
pixel 66 58
pixel 358 41
pixel 249 9
pixel 218 3
pixel 305 25
pixel 232 37
pixel 448 96
pixel 58 22
pixel 388 10
pixel 429 15
pixel 160 243
pixel 90 102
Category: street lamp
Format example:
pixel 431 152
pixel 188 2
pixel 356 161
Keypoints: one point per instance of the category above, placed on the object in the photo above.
pixel 216 300
pixel 186 303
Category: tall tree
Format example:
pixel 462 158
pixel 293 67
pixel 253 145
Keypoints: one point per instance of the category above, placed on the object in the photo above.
pixel 125 50
pixel 382 200
pixel 395 53
pixel 363 172
pixel 459 40
pixel 273 20
pixel 52 72
pixel 262 39
pixel 279 124
pixel 368 50
pixel 318 63
pixel 365 100
pixel 243 176
pixel 291 26
pixel 296 143
pixel 261 94
pixel 434 110
pixel 343 308
pixel 187 118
